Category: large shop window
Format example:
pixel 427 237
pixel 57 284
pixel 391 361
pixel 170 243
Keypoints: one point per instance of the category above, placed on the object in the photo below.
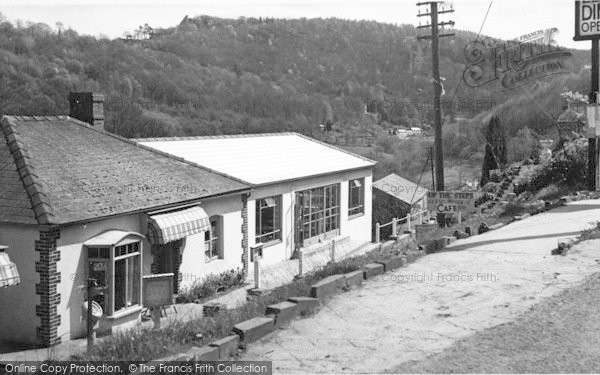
pixel 116 267
pixel 356 197
pixel 212 239
pixel 268 220
pixel 320 211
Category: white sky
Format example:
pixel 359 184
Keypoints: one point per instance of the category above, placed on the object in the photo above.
pixel 507 18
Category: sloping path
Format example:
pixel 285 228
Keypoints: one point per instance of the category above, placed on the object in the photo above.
pixel 422 309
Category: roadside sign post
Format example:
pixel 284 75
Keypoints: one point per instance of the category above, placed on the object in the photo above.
pixel 587 27
pixel 450 203
pixel 158 292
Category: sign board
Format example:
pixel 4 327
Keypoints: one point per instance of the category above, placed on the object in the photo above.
pixel 592 117
pixel 587 19
pixel 158 290
pixel 424 232
pixel 451 201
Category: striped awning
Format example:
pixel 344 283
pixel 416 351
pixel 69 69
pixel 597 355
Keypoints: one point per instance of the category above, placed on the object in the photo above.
pixel 9 275
pixel 172 226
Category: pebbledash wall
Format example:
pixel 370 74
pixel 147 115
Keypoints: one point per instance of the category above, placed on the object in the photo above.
pixel 47 306
pixel 18 303
pixel 357 228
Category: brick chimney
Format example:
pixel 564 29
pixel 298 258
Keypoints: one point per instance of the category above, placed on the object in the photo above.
pixel 87 107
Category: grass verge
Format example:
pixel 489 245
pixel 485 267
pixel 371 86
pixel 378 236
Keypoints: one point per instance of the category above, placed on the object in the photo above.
pixel 143 345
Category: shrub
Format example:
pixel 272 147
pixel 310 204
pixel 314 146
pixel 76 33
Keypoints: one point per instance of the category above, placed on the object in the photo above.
pixel 212 284
pixel 513 209
pixel 590 233
pixel 567 168
pixel 549 192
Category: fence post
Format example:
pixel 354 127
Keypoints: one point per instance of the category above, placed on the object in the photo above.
pixel 377 232
pixel 408 221
pixel 333 251
pixel 300 261
pixel 256 272
pixel 256 255
pixel 460 217
pixel 394 227
pixel 420 217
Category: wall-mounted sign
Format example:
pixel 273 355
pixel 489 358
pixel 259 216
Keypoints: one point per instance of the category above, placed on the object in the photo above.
pixel 451 201
pixel 587 19
pixel 592 117
pixel 158 290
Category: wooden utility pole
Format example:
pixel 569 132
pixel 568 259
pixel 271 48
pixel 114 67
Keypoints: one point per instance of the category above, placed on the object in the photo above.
pixel 593 99
pixel 432 168
pixel 434 25
pixel 587 17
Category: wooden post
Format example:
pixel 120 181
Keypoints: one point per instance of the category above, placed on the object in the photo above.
pixel 256 254
pixel 256 271
pixel 460 217
pixel 593 98
pixel 394 228
pixel 333 251
pixel 91 335
pixel 300 261
pixel 408 221
pixel 156 316
pixel 377 225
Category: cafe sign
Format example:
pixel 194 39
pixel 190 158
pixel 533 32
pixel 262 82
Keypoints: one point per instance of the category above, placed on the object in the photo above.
pixel 451 201
pixel 587 19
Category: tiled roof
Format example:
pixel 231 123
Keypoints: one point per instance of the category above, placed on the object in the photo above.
pixel 58 170
pixel 401 188
pixel 262 158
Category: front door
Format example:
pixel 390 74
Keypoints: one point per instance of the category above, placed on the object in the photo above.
pixel 169 260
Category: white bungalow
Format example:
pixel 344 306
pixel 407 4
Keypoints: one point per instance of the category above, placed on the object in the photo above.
pixel 304 192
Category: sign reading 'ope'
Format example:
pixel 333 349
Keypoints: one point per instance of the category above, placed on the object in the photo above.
pixel 587 19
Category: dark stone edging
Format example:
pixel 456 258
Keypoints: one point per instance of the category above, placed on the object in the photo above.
pixel 281 314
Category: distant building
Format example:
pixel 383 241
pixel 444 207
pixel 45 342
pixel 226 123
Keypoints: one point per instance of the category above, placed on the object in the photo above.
pixel 404 190
pixel 404 133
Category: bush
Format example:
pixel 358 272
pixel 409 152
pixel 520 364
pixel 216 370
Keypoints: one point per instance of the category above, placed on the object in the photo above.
pixel 567 168
pixel 549 192
pixel 213 284
pixel 591 233
pixel 513 209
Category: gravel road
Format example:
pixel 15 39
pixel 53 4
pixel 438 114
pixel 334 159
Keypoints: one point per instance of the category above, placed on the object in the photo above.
pixel 426 307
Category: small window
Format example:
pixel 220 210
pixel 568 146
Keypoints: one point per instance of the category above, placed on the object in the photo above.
pixel 212 239
pixel 268 219
pixel 356 197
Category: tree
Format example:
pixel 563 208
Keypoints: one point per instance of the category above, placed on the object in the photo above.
pixel 489 163
pixel 496 138
pixel 495 149
pixel 524 145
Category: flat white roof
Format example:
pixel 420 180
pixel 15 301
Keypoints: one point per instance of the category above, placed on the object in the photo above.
pixel 261 158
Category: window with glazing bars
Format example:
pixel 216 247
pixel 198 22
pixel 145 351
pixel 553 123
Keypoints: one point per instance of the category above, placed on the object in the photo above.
pixel 268 219
pixel 320 210
pixel 356 197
